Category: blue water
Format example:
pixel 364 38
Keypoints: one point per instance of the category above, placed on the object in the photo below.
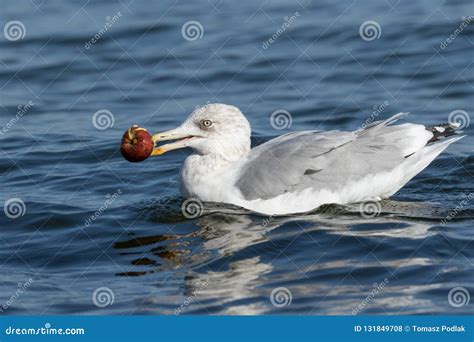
pixel 150 258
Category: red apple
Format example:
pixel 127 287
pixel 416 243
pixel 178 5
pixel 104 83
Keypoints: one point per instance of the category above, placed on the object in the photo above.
pixel 137 144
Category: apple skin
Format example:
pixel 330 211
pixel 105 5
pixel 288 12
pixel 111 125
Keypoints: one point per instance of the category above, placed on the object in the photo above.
pixel 137 144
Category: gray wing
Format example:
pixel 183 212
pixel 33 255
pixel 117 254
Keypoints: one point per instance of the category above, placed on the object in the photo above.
pixel 325 160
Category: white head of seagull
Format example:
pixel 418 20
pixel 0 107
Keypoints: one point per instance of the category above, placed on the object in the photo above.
pixel 216 129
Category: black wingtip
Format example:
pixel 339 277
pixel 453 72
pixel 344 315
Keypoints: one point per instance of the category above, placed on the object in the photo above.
pixel 442 131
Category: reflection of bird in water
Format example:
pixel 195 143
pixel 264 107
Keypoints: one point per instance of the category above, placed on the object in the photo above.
pixel 216 261
pixel 223 231
pixel 236 282
pixel 300 171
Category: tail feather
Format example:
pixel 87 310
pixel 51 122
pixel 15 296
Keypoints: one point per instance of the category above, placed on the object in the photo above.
pixel 420 160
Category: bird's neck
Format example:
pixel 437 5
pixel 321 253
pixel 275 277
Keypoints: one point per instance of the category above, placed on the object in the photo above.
pixel 209 164
pixel 200 172
pixel 221 154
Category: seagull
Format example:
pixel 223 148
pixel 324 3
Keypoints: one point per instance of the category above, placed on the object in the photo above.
pixel 299 171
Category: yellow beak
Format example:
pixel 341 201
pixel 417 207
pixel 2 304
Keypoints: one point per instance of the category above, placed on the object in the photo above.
pixel 174 134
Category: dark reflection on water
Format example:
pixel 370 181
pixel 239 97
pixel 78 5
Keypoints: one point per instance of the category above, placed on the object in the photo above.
pixel 93 220
pixel 232 260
